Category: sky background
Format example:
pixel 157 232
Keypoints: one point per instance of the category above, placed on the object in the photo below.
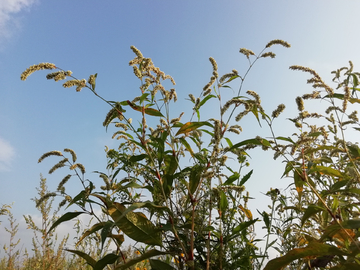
pixel 87 37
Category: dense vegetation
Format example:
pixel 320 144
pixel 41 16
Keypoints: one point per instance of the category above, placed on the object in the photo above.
pixel 170 186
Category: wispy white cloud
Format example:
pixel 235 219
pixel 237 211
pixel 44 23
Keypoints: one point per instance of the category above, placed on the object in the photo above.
pixel 7 154
pixel 8 20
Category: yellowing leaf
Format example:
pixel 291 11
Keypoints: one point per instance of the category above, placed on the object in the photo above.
pixel 191 126
pixel 247 212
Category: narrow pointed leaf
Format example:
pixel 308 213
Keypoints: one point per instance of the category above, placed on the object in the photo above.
pixel 245 178
pixel 187 146
pixel 191 126
pixel 94 228
pixel 65 217
pixel 246 142
pixel 223 203
pixel 327 171
pixel 149 111
pixel 107 259
pixel 90 261
pixel 247 212
pixel 310 211
pixel 142 257
pixel 153 112
pixel 135 225
pixel 195 176
pixel 203 101
pixel 231 179
pixel 313 249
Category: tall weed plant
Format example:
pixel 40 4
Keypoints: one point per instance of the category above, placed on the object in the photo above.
pixel 169 186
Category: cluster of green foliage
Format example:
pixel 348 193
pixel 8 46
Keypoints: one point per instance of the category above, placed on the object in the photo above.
pixel 195 215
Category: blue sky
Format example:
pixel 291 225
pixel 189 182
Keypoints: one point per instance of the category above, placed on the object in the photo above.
pixel 90 37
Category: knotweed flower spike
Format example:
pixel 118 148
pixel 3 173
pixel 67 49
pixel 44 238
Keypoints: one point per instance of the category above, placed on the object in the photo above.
pixel 268 54
pixel 246 52
pixel 300 103
pixel 43 198
pixel 255 95
pixel 137 52
pixel 72 152
pixel 305 69
pixel 58 165
pixel 63 182
pixel 346 97
pixel 228 75
pixel 34 68
pixel 278 110
pixel 59 75
pixel 78 165
pixel 48 154
pixel 278 41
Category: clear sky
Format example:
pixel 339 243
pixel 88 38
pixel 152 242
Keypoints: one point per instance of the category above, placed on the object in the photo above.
pixel 90 37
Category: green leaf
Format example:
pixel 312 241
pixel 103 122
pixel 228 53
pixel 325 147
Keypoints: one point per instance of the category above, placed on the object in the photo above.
pixel 90 261
pixel 160 265
pixel 135 225
pixel 94 228
pixel 187 146
pixel 231 179
pixel 254 141
pixel 242 226
pixel 229 142
pixel 310 211
pixel 142 257
pixel 149 111
pixel 195 176
pixel 137 158
pixel 171 164
pixel 65 217
pixel 143 97
pixel 326 170
pixel 107 259
pixel 313 249
pixel 203 101
pixel 266 220
pixel 354 151
pixel 288 139
pixel 355 79
pixel 255 112
pixel 245 178
pixel 77 198
pixel 299 182
pixel 153 112
pixel 191 126
pixel 223 203
pixel 339 184
pixel 230 79
pixel 105 232
pixel 341 96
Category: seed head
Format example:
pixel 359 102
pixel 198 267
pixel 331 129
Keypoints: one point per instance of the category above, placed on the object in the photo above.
pixel 246 52
pixel 137 72
pixel 51 153
pixel 268 54
pixel 278 41
pixel 300 103
pixel 137 52
pixel 214 64
pixel 255 95
pixel 34 68
pixel 72 152
pixel 278 110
